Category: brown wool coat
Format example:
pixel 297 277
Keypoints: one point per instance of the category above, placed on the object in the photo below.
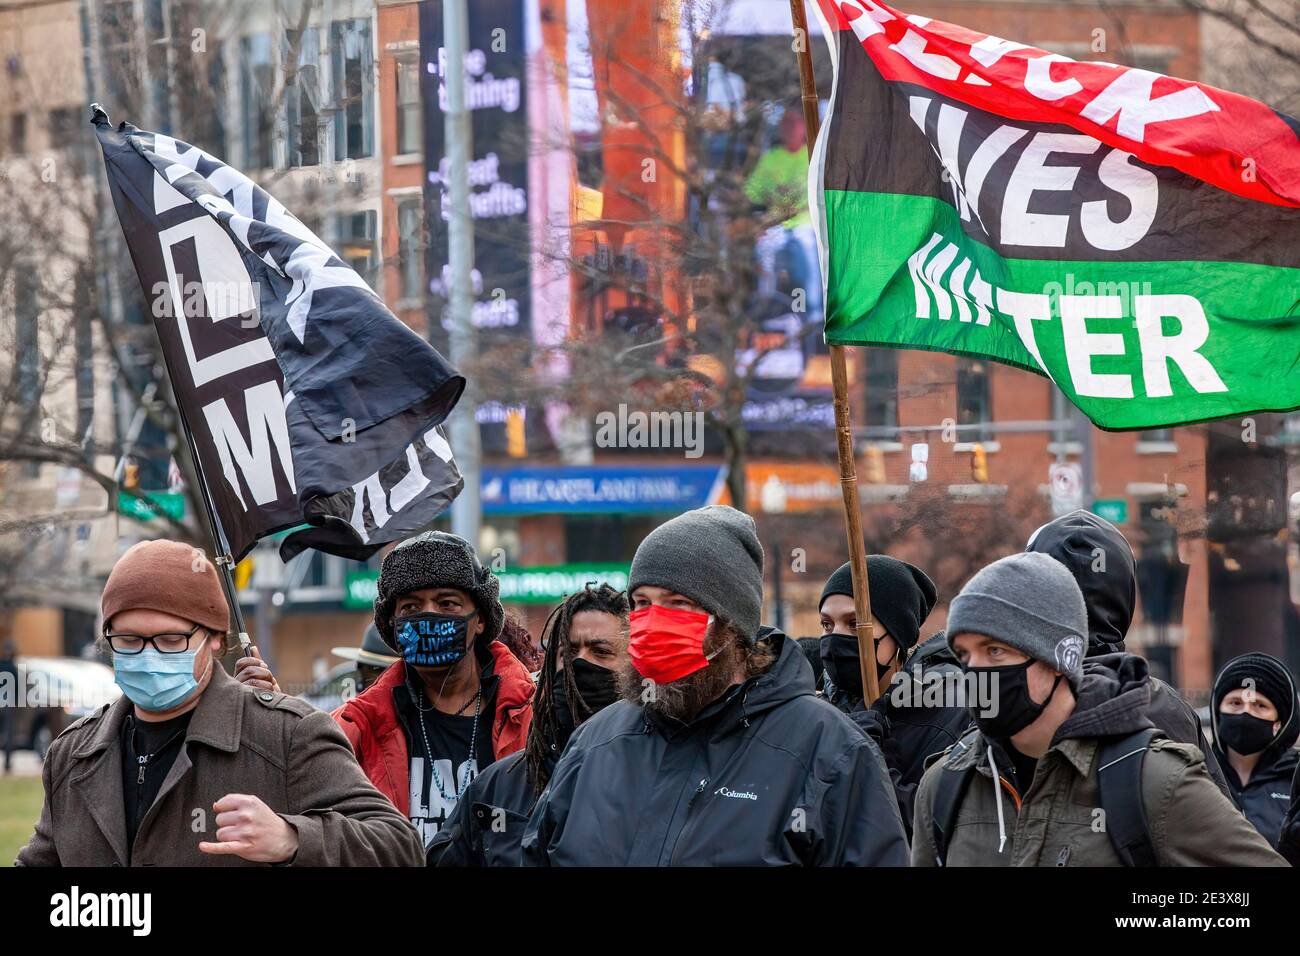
pixel 239 740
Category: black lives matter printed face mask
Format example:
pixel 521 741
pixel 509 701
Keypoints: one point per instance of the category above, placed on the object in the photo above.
pixel 430 639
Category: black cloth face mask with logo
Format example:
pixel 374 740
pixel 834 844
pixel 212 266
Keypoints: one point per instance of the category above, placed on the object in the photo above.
pixel 839 654
pixel 598 687
pixel 1016 710
pixel 430 639
pixel 1245 733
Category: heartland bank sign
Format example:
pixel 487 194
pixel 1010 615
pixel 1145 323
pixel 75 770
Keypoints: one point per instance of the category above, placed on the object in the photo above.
pixel 600 490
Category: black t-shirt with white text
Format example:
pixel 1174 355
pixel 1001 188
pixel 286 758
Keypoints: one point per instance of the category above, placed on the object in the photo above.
pixel 435 783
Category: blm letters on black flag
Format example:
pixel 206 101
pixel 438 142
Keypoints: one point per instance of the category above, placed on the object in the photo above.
pixel 306 399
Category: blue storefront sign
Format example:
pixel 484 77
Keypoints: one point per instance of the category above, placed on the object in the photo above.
pixel 600 490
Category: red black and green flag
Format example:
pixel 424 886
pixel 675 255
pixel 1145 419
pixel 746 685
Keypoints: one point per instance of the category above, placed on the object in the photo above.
pixel 1133 236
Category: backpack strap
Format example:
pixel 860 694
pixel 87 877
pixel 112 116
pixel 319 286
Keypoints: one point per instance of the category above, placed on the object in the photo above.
pixel 948 794
pixel 1119 779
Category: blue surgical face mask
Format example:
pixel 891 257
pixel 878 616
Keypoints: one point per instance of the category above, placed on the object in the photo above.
pixel 154 681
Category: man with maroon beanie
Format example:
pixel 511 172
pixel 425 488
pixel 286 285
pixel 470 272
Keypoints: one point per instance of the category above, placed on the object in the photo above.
pixel 190 767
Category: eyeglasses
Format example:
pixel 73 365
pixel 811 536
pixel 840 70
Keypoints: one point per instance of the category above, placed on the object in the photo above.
pixel 167 643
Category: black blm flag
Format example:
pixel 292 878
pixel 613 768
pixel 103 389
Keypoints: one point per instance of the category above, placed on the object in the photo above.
pixel 305 398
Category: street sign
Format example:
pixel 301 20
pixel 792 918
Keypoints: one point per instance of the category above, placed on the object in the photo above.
pixel 1114 510
pixel 545 585
pixel 170 503
pixel 1066 481
pixel 359 590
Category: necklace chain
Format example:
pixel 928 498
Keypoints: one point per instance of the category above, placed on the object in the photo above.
pixel 473 747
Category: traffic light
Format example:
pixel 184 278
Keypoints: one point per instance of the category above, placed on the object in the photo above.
pixel 516 444
pixel 979 464
pixel 875 465
pixel 243 574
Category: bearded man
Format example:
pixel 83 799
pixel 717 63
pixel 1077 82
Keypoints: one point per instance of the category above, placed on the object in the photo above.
pixel 720 753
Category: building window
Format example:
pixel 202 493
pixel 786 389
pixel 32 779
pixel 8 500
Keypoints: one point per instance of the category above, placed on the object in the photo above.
pixel 158 39
pixel 18 133
pixel 973 403
pixel 1158 435
pixel 303 99
pixel 27 338
pixel 409 114
pixel 352 66
pixel 65 126
pixel 882 388
pixel 256 83
pixel 606 539
pixel 410 248
pixel 355 241
pixel 216 123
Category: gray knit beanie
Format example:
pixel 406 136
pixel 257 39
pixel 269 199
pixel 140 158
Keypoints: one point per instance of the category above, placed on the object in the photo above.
pixel 712 556
pixel 1030 602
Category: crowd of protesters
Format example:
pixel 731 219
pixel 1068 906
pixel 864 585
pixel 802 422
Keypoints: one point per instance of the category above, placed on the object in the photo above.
pixel 667 725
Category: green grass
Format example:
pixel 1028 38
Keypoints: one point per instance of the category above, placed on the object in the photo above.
pixel 20 808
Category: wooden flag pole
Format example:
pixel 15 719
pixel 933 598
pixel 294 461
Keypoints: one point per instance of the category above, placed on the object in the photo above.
pixel 840 385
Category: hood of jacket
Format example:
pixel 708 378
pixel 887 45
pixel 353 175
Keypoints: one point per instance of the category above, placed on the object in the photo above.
pixel 789 676
pixel 1110 593
pixel 1113 698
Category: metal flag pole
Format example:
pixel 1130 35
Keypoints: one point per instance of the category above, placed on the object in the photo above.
pixel 220 545
pixel 466 510
pixel 840 386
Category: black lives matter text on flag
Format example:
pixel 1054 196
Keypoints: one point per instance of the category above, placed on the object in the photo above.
pixel 306 400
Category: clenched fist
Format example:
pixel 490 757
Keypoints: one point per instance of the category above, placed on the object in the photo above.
pixel 249 829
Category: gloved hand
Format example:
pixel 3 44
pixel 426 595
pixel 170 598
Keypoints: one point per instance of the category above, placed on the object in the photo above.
pixel 872 723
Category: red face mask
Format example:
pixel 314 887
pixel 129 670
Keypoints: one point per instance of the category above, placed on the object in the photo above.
pixel 667 643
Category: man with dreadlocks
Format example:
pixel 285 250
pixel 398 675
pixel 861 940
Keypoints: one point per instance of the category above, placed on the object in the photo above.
pixel 720 752
pixel 585 645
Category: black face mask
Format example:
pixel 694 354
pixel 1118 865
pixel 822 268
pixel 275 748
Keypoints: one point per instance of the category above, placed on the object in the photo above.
pixel 598 687
pixel 1015 709
pixel 1244 733
pixel 839 654
pixel 430 639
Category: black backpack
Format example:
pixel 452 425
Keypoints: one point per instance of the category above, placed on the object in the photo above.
pixel 1119 778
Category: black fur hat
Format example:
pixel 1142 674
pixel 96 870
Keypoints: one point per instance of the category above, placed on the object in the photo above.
pixel 437 559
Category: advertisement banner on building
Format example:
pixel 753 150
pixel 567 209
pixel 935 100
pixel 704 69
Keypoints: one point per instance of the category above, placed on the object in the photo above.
pixel 498 173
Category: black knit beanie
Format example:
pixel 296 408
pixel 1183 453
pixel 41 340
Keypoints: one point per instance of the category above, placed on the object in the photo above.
pixel 902 595
pixel 432 560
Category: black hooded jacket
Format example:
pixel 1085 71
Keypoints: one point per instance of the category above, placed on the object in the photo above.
pixel 768 774
pixel 1109 589
pixel 1265 799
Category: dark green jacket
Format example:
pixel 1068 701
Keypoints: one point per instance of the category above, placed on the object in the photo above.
pixel 1057 820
